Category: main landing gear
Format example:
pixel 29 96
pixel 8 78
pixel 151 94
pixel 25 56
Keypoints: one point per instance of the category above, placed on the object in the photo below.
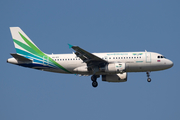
pixel 94 82
pixel 148 79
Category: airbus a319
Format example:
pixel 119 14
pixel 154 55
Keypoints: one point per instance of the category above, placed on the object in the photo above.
pixel 111 66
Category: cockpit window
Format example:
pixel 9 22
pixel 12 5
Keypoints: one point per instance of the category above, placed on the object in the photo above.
pixel 161 57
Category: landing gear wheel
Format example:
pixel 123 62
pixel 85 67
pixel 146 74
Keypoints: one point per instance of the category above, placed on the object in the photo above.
pixel 149 79
pixel 148 74
pixel 94 78
pixel 94 83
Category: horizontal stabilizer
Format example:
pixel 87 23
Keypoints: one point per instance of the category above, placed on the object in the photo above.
pixel 20 58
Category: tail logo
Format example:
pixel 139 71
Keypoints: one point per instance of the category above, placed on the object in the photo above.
pixel 29 50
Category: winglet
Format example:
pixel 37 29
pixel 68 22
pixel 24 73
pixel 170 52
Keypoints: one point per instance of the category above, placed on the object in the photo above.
pixel 70 46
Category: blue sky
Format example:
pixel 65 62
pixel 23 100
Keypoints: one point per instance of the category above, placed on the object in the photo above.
pixel 96 26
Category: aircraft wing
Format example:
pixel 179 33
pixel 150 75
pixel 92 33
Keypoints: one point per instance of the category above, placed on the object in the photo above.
pixel 89 58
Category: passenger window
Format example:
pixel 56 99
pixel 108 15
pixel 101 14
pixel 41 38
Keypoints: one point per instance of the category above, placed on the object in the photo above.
pixel 158 56
pixel 161 56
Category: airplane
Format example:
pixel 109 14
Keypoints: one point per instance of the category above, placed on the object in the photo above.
pixel 111 66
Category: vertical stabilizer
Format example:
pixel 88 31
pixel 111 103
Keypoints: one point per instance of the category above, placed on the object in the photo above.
pixel 23 44
pixel 27 51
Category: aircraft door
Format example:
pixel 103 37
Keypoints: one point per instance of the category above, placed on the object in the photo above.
pixel 148 57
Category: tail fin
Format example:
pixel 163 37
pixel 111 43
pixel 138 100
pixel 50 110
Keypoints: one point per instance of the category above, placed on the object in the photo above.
pixel 27 50
pixel 23 44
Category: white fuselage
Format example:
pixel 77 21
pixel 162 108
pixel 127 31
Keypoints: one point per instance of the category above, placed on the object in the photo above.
pixel 135 61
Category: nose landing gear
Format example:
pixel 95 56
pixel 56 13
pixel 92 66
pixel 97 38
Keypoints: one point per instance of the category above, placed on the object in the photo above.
pixel 148 79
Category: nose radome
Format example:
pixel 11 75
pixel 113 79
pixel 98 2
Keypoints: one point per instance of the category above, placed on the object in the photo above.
pixel 170 63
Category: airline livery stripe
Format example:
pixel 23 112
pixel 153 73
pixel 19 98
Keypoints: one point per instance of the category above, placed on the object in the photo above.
pixel 36 54
pixel 31 45
pixel 27 48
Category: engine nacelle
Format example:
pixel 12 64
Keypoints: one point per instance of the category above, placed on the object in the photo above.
pixel 114 68
pixel 115 78
pixel 81 69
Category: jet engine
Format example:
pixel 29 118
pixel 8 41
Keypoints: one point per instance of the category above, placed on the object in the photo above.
pixel 81 69
pixel 115 78
pixel 114 68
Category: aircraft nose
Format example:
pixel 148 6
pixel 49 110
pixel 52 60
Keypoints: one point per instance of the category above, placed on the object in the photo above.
pixel 170 63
